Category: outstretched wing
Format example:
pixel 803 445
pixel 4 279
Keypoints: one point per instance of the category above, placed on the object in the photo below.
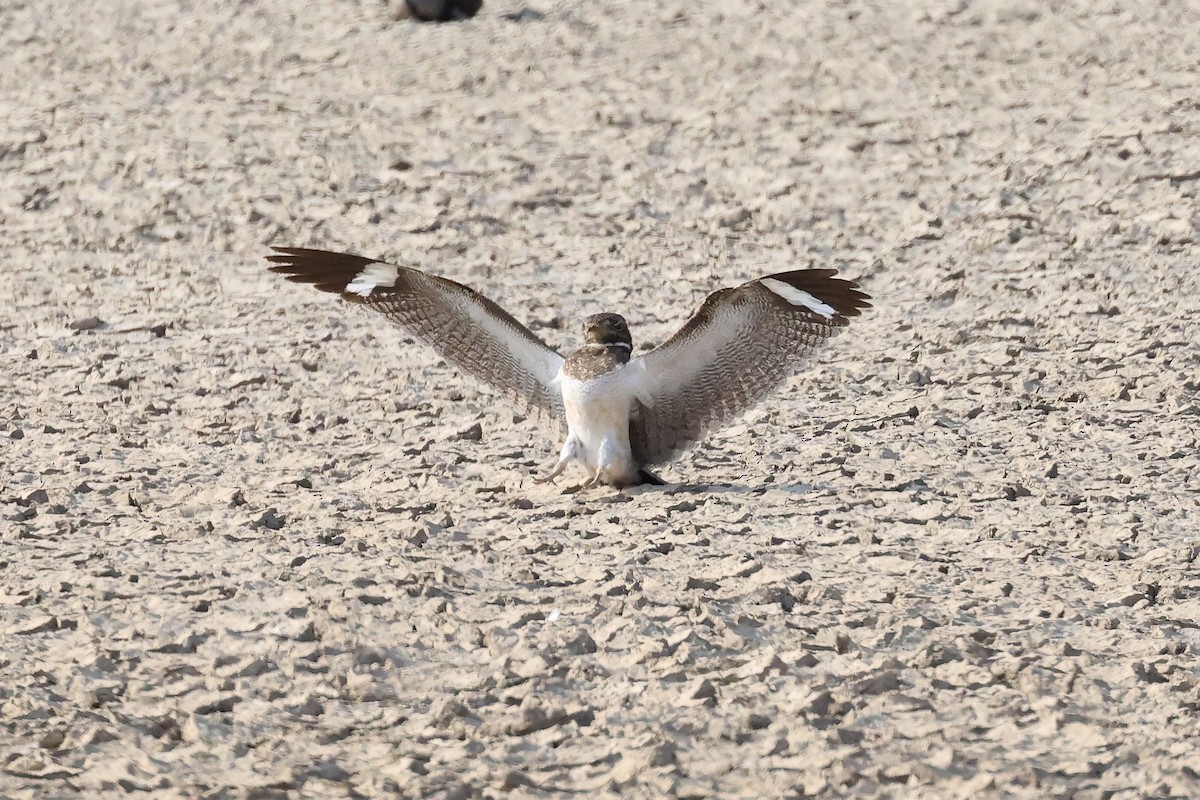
pixel 738 347
pixel 464 327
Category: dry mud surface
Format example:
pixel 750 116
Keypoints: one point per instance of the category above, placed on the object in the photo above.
pixel 247 551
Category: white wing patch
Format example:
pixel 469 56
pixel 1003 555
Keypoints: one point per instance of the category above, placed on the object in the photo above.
pixel 467 329
pixel 372 277
pixel 798 297
pixel 542 362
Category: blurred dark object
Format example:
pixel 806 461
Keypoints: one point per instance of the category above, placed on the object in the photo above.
pixel 524 15
pixel 435 10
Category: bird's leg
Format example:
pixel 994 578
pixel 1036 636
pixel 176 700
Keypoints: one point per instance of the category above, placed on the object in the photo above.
pixel 554 473
pixel 606 457
pixel 570 450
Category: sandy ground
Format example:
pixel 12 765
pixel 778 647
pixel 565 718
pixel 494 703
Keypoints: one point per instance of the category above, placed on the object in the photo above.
pixel 246 552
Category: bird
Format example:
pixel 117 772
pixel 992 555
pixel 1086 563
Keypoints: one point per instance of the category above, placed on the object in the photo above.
pixel 623 414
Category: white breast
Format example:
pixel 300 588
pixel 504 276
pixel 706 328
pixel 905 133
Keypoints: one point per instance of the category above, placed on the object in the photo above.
pixel 598 419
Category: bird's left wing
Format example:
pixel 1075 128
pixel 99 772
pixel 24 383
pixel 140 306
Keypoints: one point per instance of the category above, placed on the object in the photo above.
pixel 738 347
pixel 464 327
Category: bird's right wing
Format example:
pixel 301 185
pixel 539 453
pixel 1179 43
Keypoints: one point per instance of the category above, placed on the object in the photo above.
pixel 464 327
pixel 738 347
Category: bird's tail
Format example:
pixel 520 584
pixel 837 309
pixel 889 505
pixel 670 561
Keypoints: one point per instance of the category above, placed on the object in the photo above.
pixel 646 476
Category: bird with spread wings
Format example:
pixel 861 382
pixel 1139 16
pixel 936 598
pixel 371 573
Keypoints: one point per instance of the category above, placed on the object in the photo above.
pixel 623 414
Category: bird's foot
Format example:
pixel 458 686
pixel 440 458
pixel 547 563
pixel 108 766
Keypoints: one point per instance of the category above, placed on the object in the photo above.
pixel 554 473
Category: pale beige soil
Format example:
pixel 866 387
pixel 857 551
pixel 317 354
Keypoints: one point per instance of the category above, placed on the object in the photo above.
pixel 244 551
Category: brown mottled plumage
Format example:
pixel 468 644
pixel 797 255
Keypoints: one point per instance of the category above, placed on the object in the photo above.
pixel 622 414
pixel 607 346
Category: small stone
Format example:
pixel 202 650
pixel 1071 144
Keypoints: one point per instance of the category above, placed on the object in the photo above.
pixel 413 765
pixel 807 661
pixel 920 377
pixel 270 520
pixel 444 712
pixel 41 624
pixel 734 218
pixel 756 722
pixel 218 705
pixel 329 769
pixel 514 779
pixel 582 644
pixel 1015 491
pixel 1151 590
pixel 311 707
pixel 1148 673
pixel 533 718
pixel 52 740
pixel 86 324
pixel 309 634
pixel 101 736
pixel 702 584
pixel 821 704
pixel 884 682
pixel 471 434
pixel 663 755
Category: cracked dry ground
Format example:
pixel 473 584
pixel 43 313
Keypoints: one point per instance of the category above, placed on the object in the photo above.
pixel 254 545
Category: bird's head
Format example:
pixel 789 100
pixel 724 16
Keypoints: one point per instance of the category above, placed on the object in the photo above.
pixel 607 329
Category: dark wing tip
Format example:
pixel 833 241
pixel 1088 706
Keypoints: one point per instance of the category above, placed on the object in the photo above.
pixel 327 271
pixel 844 296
